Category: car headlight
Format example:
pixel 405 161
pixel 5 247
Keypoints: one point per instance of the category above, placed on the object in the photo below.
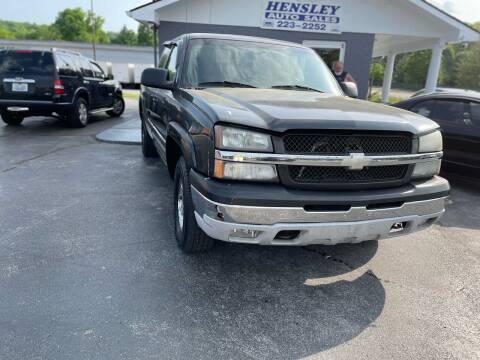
pixel 229 138
pixel 430 143
pixel 232 170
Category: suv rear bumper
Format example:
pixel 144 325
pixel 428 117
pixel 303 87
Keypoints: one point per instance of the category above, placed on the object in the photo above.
pixel 32 107
pixel 337 217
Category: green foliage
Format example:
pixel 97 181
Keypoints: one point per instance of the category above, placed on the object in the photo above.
pixel 100 35
pixel 467 74
pixel 412 70
pixel 377 69
pixel 125 36
pixel 74 24
pixel 145 35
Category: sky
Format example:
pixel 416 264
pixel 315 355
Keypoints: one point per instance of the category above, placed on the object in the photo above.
pixel 44 11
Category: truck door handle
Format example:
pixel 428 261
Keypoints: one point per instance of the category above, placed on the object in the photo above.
pixel 86 82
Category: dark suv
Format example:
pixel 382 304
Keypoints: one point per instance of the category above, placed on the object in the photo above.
pixel 45 83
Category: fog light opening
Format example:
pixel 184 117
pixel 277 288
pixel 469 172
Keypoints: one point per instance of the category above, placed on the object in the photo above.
pixel 398 227
pixel 287 235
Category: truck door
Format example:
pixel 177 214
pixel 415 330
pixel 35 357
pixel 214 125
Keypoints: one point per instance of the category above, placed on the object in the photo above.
pixel 163 107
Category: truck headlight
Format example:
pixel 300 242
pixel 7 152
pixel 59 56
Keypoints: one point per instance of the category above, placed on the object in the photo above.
pixel 426 169
pixel 229 138
pixel 232 170
pixel 430 143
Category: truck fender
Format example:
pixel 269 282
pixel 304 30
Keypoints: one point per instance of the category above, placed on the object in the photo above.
pixel 184 141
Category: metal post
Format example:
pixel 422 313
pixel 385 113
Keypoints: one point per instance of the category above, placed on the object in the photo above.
pixel 155 50
pixel 387 77
pixel 94 31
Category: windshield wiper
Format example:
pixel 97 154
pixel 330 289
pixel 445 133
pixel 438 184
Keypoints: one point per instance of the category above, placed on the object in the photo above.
pixel 295 87
pixel 226 84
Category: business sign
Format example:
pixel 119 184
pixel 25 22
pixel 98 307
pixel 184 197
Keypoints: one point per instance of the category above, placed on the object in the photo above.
pixel 311 16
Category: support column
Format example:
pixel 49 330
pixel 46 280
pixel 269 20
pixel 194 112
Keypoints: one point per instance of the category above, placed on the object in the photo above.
pixel 434 68
pixel 388 77
pixel 155 47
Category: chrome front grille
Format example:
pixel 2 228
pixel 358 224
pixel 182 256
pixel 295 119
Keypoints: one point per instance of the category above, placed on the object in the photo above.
pixel 335 175
pixel 344 144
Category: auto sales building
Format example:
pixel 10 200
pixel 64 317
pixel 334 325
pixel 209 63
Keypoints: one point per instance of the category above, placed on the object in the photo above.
pixel 349 30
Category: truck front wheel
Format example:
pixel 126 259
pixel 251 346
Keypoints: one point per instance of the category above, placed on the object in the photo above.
pixel 190 238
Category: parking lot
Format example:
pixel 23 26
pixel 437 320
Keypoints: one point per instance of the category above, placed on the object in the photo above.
pixel 89 269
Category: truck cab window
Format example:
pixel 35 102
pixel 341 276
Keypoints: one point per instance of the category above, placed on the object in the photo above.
pixel 162 63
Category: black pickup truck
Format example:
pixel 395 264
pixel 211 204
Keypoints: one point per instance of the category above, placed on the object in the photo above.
pixel 265 148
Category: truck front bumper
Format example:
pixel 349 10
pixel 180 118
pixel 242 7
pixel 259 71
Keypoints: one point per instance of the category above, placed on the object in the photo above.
pixel 293 217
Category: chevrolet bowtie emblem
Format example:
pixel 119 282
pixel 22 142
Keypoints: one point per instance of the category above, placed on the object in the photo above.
pixel 355 161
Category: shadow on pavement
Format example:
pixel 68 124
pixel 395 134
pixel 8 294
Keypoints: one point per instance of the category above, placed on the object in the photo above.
pixel 463 204
pixel 280 302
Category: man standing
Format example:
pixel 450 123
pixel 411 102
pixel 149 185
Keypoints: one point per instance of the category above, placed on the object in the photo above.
pixel 340 74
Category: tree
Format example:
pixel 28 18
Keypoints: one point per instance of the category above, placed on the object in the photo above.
pixel 72 25
pixel 100 35
pixel 377 69
pixel 467 74
pixel 412 70
pixel 5 34
pixel 145 35
pixel 125 37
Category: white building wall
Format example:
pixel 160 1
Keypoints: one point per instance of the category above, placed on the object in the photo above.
pixel 396 17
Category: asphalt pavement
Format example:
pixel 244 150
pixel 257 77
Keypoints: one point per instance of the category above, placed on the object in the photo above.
pixel 89 269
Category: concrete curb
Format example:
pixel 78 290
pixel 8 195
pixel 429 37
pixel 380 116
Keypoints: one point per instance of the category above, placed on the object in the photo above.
pixel 128 133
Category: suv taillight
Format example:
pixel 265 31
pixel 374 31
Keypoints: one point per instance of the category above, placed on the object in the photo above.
pixel 58 88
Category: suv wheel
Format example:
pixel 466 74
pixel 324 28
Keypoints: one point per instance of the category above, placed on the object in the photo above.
pixel 12 119
pixel 148 148
pixel 118 107
pixel 79 116
pixel 190 238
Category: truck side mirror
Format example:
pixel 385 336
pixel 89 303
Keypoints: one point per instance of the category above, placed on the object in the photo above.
pixel 109 76
pixel 156 78
pixel 350 89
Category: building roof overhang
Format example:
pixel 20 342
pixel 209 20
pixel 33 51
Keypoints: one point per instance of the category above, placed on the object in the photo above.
pixel 460 31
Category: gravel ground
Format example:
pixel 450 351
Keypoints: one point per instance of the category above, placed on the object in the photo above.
pixel 89 269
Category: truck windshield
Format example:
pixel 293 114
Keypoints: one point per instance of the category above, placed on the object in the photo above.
pixel 26 62
pixel 218 62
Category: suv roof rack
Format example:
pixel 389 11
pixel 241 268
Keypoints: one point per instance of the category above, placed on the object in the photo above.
pixel 65 51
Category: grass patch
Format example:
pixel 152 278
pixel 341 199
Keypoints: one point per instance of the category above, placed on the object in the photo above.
pixel 134 95
pixel 391 100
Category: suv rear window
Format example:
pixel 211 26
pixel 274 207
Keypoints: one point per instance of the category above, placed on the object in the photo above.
pixel 26 63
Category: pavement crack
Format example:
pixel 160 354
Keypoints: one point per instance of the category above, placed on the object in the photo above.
pixel 39 156
pixel 342 262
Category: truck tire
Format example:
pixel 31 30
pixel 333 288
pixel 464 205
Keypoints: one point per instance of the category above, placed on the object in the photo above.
pixel 148 148
pixel 11 119
pixel 118 107
pixel 78 118
pixel 190 238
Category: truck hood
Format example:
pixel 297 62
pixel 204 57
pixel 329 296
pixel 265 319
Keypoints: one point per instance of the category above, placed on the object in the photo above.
pixel 281 110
